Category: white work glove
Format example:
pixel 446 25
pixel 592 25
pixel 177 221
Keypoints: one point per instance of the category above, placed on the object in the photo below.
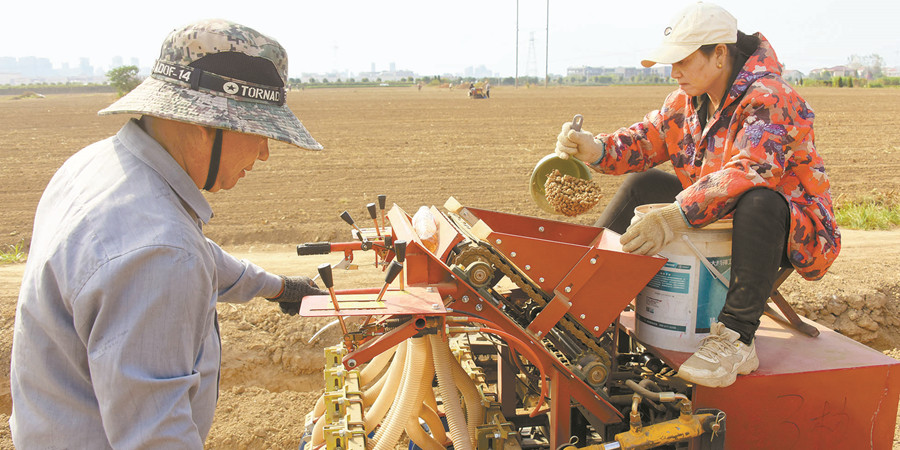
pixel 656 229
pixel 580 144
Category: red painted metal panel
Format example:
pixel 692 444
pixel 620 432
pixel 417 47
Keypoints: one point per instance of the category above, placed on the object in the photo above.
pixel 536 228
pixel 413 300
pixel 808 393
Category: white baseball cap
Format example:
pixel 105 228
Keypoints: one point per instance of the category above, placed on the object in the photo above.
pixel 695 26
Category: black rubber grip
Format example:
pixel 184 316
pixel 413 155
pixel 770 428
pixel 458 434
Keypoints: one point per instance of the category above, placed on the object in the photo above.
pixel 325 275
pixel 400 250
pixel 346 216
pixel 314 248
pixel 372 211
pixel 392 272
pixel 381 201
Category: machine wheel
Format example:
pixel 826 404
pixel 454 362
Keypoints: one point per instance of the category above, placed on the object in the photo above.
pixel 481 273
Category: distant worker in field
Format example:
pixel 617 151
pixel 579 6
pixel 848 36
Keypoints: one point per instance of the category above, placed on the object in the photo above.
pixel 487 89
pixel 116 341
pixel 741 143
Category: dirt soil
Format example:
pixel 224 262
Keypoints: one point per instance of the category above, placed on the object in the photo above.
pixel 419 148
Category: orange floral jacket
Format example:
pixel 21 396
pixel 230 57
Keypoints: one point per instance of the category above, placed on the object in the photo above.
pixel 762 136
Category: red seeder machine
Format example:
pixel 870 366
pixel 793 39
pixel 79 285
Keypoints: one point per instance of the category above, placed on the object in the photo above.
pixel 506 331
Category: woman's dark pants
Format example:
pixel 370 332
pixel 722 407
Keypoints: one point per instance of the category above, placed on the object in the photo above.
pixel 760 225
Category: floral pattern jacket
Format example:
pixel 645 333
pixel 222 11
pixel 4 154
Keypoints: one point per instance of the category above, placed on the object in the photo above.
pixel 762 136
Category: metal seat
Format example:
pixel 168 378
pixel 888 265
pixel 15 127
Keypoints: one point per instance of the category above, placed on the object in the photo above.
pixel 787 311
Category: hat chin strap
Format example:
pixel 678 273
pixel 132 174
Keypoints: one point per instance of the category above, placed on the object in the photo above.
pixel 214 160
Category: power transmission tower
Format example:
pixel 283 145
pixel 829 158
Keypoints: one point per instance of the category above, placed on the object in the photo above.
pixel 531 63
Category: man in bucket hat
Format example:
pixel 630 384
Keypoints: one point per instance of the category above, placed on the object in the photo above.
pixel 116 340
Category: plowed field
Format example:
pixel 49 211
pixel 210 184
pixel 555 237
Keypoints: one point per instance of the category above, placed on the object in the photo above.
pixel 418 148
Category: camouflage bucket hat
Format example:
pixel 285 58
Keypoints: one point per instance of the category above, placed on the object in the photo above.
pixel 220 74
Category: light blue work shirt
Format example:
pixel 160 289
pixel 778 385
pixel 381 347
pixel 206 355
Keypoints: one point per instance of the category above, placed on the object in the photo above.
pixel 116 341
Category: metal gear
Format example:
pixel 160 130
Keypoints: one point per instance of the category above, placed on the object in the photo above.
pixel 481 251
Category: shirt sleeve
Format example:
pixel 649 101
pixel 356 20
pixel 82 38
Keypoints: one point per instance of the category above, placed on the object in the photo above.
pixel 145 318
pixel 241 280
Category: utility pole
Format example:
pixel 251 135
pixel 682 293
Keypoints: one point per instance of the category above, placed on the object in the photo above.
pixel 517 44
pixel 547 50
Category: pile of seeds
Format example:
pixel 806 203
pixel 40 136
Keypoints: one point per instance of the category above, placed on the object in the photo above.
pixel 569 195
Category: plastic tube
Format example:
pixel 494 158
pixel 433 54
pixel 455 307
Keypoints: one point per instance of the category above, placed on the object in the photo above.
pixel 434 423
pixel 372 392
pixel 319 409
pixel 452 408
pixel 409 398
pixel 474 408
pixel 318 433
pixel 375 367
pixel 430 416
pixel 413 428
pixel 430 400
pixel 381 404
pixel 392 410
pixel 419 437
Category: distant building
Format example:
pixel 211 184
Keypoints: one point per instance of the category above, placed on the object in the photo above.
pixel 836 71
pixel 477 72
pixel 661 70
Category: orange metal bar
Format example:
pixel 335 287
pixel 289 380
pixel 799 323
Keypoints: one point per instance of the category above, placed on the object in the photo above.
pixel 370 349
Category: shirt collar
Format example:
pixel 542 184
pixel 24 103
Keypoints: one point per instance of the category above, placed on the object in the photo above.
pixel 145 148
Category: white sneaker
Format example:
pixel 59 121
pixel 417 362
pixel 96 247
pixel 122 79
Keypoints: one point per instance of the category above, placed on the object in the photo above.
pixel 720 358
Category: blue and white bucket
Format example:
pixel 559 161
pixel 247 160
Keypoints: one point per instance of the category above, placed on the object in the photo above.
pixel 677 307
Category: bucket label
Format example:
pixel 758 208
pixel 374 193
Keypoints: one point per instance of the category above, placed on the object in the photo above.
pixel 675 278
pixel 661 325
pixel 711 292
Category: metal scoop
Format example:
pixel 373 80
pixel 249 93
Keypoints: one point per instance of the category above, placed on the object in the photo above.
pixel 571 166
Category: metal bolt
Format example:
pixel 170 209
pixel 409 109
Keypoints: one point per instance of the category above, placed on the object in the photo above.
pixel 479 307
pixel 568 289
pixel 596 328
pixel 513 254
pixel 541 279
pixel 435 306
pixel 593 260
pixel 539 333
pixel 527 267
pixel 351 363
pixel 498 241
pixel 465 299
pixel 429 289
pixel 541 229
pixel 582 317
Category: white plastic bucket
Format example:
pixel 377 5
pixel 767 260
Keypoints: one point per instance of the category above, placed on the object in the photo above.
pixel 677 307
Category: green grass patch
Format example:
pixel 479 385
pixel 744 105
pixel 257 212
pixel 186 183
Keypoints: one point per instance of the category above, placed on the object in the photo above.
pixel 13 253
pixel 879 211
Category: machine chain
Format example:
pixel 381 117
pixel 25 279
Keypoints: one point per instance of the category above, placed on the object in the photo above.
pixel 484 252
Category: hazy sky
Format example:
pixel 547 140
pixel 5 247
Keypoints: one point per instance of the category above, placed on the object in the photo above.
pixel 431 38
